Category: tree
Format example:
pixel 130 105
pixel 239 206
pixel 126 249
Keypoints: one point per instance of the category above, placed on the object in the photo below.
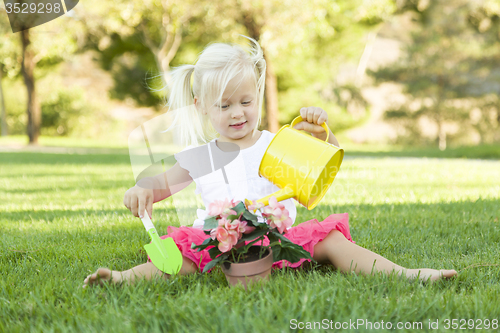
pixel 2 105
pixel 149 33
pixel 8 54
pixel 441 70
pixel 42 46
pixel 27 67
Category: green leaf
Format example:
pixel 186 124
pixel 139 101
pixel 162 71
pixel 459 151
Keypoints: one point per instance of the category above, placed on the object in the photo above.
pixel 214 252
pixel 247 216
pixel 207 242
pixel 272 237
pixel 252 218
pixel 214 262
pixel 290 252
pixel 254 234
pixel 286 249
pixel 276 252
pixel 239 208
pixel 280 236
pixel 210 223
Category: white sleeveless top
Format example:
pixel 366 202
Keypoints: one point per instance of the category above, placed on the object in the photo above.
pixel 241 180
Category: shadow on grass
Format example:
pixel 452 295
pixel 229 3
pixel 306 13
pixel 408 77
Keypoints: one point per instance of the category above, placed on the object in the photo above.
pixel 96 184
pixel 55 159
pixel 90 215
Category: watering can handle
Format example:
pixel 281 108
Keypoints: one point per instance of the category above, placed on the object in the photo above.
pixel 299 119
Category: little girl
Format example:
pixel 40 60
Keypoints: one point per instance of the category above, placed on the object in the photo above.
pixel 226 99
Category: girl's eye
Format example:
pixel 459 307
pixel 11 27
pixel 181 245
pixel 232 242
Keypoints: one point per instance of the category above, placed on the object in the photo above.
pixel 226 106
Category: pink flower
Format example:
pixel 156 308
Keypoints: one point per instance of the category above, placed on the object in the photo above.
pixel 282 223
pixel 275 208
pixel 254 206
pixel 227 239
pixel 232 225
pixel 222 222
pixel 223 208
pixel 245 228
pixel 240 227
pixel 277 215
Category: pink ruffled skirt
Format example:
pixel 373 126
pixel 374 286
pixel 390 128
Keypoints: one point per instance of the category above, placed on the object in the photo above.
pixel 306 234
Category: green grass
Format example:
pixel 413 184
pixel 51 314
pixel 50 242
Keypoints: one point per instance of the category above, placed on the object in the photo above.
pixel 485 151
pixel 50 141
pixel 62 217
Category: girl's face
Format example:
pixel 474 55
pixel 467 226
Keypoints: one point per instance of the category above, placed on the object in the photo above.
pixel 238 113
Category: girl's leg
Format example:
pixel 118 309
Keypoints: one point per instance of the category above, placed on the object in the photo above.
pixel 145 271
pixel 349 257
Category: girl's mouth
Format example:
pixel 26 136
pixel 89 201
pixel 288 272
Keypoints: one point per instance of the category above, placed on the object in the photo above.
pixel 239 125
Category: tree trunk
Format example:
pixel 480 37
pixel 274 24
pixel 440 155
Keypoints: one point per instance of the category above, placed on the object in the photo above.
pixel 33 109
pixel 2 105
pixel 271 91
pixel 441 138
pixel 271 97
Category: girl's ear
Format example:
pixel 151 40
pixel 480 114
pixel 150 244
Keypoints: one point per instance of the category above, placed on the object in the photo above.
pixel 196 104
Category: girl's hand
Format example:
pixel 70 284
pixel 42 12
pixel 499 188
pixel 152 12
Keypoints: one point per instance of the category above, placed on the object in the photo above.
pixel 139 198
pixel 313 118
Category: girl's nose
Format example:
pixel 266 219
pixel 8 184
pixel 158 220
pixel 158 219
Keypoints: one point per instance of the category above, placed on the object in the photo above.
pixel 238 112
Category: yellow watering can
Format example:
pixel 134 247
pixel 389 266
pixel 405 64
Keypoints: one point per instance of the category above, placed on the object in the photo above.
pixel 302 166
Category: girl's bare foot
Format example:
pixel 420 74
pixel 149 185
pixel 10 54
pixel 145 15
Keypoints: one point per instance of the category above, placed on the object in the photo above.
pixel 426 274
pixel 145 271
pixel 103 275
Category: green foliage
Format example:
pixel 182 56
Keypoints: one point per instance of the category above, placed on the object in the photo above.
pixel 15 105
pixel 284 249
pixel 132 67
pixel 61 110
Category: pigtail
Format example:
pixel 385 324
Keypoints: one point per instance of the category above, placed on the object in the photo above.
pixel 187 125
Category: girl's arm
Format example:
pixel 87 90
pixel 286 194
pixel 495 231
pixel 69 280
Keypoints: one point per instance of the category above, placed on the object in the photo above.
pixel 149 190
pixel 332 139
pixel 179 179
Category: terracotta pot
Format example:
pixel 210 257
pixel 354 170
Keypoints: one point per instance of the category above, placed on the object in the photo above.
pixel 247 273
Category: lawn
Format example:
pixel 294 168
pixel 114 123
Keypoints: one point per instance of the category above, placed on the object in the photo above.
pixel 62 216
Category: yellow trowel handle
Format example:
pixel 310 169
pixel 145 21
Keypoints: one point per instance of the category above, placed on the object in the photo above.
pixel 283 194
pixel 299 119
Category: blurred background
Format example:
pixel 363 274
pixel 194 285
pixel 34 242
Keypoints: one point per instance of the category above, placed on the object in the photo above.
pixel 394 75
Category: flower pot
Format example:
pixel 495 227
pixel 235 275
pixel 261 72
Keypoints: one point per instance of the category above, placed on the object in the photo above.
pixel 246 273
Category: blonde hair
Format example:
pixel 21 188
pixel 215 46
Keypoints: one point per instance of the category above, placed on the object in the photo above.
pixel 218 64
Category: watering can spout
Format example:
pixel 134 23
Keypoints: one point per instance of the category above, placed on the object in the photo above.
pixel 283 194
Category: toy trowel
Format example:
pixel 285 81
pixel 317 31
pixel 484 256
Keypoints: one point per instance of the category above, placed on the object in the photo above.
pixel 164 254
